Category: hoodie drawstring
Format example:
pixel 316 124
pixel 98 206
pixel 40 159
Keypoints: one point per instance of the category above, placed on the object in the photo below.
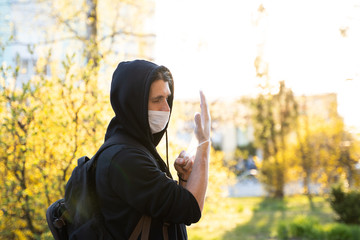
pixel 167 151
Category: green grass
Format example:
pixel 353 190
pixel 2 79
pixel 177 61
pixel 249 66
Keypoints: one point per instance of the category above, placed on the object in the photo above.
pixel 255 218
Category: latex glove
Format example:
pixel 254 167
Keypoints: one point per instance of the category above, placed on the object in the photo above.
pixel 203 121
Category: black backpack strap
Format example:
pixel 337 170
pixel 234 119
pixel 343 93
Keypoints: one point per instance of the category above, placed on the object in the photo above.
pixel 123 140
pixel 143 228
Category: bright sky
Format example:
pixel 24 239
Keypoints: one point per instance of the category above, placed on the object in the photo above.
pixel 211 45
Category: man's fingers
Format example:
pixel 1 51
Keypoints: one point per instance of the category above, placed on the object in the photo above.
pixel 197 119
pixel 205 115
pixel 199 131
pixel 182 154
pixel 180 170
pixel 179 162
pixel 204 107
pixel 188 165
pixel 182 161
pixel 203 103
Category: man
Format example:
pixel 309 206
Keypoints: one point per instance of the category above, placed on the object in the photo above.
pixel 135 182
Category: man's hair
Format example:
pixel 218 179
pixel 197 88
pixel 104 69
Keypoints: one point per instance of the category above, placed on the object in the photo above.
pixel 162 73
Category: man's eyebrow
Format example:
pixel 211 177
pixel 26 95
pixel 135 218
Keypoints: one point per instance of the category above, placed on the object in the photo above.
pixel 158 97
pixel 161 96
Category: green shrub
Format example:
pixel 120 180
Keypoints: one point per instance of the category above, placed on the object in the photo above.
pixel 282 231
pixel 339 232
pixel 346 205
pixel 306 228
pixel 355 232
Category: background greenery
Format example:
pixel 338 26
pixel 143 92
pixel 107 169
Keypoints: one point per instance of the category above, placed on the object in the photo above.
pixel 255 218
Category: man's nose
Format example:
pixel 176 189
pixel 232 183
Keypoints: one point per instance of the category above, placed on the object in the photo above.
pixel 165 107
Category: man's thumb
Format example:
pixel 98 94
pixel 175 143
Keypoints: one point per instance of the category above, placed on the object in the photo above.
pixel 198 120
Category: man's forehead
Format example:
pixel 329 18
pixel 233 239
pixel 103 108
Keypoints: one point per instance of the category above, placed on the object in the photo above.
pixel 160 87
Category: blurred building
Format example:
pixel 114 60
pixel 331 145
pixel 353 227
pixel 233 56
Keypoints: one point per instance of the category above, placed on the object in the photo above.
pixel 5 21
pixel 323 106
pixel 18 30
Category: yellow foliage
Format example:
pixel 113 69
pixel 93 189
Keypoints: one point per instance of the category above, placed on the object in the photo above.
pixel 47 124
pixel 20 235
pixel 219 177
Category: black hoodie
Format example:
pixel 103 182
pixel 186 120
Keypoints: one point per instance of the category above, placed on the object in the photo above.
pixel 135 181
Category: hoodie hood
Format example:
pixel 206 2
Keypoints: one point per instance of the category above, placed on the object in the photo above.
pixel 129 96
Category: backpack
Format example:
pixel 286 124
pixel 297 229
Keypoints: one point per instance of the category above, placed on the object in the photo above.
pixel 78 216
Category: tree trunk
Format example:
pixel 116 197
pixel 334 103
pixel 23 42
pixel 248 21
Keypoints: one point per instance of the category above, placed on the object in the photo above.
pixel 91 33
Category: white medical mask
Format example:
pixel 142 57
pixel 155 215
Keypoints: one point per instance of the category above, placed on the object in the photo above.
pixel 158 120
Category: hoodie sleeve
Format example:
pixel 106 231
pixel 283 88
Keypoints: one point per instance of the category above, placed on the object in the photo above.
pixel 137 180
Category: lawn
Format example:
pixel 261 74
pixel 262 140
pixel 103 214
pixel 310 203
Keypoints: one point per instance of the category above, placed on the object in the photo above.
pixel 257 218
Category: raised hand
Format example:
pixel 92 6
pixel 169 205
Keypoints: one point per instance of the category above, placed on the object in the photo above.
pixel 203 121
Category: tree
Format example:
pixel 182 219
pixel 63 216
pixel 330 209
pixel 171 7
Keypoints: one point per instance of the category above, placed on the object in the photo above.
pixel 337 152
pixel 274 117
pixel 324 152
pixel 305 150
pixel 99 33
pixel 349 154
pixel 19 109
pixel 46 124
pixel 104 29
